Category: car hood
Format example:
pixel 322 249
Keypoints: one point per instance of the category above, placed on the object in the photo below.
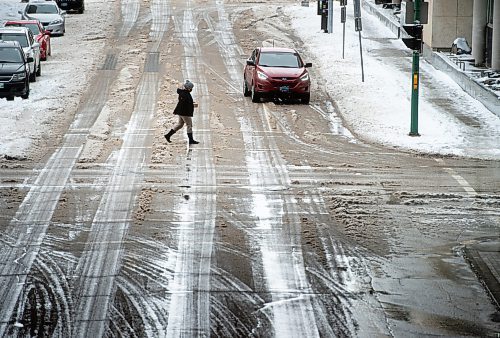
pixel 10 68
pixel 282 72
pixel 44 17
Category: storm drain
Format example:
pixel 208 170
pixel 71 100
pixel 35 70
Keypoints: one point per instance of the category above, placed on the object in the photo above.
pixel 109 62
pixel 152 62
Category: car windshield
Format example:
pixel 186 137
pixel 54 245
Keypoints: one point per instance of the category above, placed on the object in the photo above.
pixel 42 9
pixel 275 59
pixel 33 27
pixel 10 55
pixel 21 38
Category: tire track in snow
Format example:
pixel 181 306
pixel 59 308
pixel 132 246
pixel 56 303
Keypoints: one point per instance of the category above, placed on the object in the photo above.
pixel 101 262
pixel 282 261
pixel 343 273
pixel 102 259
pixel 27 230
pixel 130 13
pixel 160 10
pixel 189 311
pixel 281 252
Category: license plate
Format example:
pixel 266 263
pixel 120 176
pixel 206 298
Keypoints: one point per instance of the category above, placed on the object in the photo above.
pixel 1 85
pixel 284 89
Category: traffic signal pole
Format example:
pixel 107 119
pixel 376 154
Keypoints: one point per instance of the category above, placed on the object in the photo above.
pixel 415 78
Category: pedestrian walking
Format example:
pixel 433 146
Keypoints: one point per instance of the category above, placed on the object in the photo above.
pixel 184 110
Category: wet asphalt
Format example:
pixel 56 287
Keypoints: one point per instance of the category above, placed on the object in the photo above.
pixel 280 223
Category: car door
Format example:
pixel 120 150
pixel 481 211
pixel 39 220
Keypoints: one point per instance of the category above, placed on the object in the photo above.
pixel 250 69
pixel 36 47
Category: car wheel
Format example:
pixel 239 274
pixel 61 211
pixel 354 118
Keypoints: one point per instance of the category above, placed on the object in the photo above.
pixel 246 92
pixel 39 70
pixel 10 98
pixel 305 99
pixel 32 77
pixel 255 96
pixel 26 93
pixel 49 49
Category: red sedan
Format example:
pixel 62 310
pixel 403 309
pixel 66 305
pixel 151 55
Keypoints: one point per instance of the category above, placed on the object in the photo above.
pixel 42 36
pixel 276 73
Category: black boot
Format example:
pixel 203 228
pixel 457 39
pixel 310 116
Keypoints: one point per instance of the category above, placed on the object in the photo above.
pixel 191 140
pixel 169 134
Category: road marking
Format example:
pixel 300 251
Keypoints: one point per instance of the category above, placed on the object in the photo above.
pixel 462 181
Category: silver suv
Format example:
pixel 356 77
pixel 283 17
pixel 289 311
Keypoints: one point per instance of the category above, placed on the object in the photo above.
pixel 27 41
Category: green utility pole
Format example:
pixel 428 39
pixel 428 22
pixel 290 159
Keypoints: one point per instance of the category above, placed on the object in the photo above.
pixel 415 78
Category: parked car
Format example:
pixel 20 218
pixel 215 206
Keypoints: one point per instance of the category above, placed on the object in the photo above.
pixel 72 5
pixel 27 41
pixel 14 71
pixel 48 13
pixel 42 36
pixel 276 72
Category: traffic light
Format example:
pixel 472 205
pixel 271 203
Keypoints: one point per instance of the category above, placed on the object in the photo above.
pixel 415 42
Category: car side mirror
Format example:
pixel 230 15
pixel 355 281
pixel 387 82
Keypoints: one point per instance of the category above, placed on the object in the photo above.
pixel 36 45
pixel 63 13
pixel 30 59
pixel 308 65
pixel 250 62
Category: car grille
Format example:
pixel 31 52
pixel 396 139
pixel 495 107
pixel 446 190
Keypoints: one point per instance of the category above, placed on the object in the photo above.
pixel 287 81
pixel 5 78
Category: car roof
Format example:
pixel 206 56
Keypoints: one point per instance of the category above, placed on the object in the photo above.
pixel 21 21
pixel 42 2
pixel 10 44
pixel 13 29
pixel 277 49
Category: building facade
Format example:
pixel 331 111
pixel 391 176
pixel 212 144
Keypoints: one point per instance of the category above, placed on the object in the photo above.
pixel 478 21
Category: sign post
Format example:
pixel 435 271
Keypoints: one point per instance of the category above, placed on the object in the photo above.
pixel 343 16
pixel 359 28
pixel 330 16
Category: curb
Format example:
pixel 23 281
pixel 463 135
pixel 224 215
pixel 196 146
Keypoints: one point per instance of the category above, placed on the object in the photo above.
pixel 484 258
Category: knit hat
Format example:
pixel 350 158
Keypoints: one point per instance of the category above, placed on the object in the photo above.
pixel 188 85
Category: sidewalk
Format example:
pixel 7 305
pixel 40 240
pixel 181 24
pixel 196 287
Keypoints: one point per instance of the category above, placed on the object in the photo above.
pixel 480 83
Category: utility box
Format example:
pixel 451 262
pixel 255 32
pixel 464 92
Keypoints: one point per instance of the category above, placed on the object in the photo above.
pixel 408 12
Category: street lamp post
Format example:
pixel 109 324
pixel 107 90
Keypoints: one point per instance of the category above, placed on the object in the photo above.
pixel 415 78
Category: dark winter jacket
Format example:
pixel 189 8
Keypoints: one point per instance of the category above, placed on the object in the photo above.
pixel 185 106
